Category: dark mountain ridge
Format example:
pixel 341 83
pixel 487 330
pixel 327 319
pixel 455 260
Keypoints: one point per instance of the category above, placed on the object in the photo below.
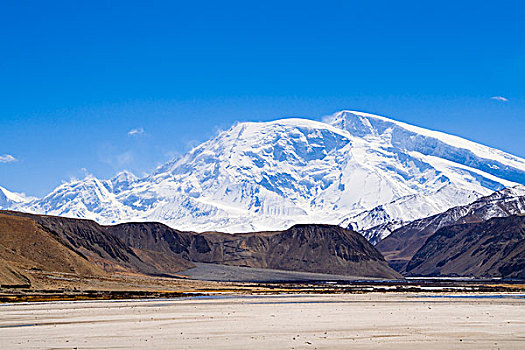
pixel 492 248
pixel 309 248
pixel 401 245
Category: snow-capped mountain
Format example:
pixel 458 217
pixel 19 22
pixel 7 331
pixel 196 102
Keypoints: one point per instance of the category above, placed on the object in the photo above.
pixel 353 169
pixel 10 199
pixel 88 198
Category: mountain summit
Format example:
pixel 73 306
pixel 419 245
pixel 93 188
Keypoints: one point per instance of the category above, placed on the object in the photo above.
pixel 354 169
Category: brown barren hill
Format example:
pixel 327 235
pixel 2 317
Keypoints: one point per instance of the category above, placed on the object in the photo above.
pixel 93 241
pixel 156 249
pixel 25 245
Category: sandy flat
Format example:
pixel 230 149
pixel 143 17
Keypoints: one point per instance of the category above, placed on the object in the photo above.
pixel 226 273
pixel 366 321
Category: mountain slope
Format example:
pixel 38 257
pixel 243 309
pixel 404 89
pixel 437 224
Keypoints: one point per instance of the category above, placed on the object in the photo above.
pixel 355 169
pixel 25 245
pixel 82 247
pixel 307 248
pixel 84 238
pixel 9 199
pixel 492 248
pixel 399 247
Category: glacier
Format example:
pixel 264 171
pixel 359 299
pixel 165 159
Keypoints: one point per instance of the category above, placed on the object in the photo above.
pixel 358 170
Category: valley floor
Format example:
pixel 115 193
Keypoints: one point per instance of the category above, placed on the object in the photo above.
pixel 335 321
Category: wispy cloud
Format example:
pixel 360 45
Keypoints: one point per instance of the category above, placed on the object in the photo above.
pixel 117 160
pixel 499 98
pixel 124 159
pixel 7 158
pixel 136 132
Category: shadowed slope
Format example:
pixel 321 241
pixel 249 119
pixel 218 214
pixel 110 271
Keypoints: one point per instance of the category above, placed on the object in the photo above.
pixel 399 247
pixel 308 248
pixel 493 248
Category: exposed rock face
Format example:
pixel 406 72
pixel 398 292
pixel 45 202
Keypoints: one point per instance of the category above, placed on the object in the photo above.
pixel 84 247
pixel 399 247
pixel 308 248
pixel 72 239
pixel 26 245
pixel 493 248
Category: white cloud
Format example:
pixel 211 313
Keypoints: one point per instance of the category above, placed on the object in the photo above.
pixel 136 132
pixel 499 98
pixel 125 158
pixel 7 158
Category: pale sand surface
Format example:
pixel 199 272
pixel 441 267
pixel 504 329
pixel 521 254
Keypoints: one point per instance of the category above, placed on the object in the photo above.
pixel 366 321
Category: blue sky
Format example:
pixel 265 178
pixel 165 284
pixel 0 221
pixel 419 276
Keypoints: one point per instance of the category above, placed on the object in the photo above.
pixel 77 78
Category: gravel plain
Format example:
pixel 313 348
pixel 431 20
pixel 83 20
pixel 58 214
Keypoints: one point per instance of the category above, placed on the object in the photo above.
pixel 339 321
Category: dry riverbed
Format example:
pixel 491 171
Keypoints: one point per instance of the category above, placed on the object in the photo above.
pixel 336 321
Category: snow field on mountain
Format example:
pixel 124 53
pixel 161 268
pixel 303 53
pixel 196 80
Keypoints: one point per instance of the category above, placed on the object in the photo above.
pixel 355 169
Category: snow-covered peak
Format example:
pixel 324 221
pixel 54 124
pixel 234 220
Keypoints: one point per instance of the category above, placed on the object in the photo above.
pixel 357 123
pixel 354 169
pixel 517 190
pixel 260 145
pixel 122 181
pixel 124 176
pixel 87 198
pixel 89 191
pixel 8 198
pixel 431 143
pixel 508 192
